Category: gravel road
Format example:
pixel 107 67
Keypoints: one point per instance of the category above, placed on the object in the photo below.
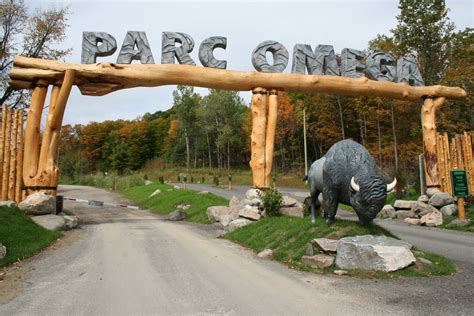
pixel 133 262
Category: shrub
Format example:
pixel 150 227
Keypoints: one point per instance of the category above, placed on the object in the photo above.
pixel 272 201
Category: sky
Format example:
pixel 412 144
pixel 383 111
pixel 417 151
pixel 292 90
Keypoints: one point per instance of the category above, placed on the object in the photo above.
pixel 341 23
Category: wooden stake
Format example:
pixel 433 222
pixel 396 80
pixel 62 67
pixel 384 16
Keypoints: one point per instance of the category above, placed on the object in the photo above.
pixel 270 136
pixel 2 142
pixel 259 124
pixel 461 210
pixel 13 155
pixel 6 156
pixel 428 122
pixel 19 165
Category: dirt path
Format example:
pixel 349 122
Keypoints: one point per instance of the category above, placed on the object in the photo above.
pixel 133 262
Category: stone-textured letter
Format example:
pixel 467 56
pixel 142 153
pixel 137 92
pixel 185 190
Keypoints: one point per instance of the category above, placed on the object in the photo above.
pixel 408 71
pixel 304 59
pixel 91 48
pixel 380 66
pixel 169 50
pixel 352 63
pixel 206 49
pixel 129 53
pixel 326 61
pixel 280 57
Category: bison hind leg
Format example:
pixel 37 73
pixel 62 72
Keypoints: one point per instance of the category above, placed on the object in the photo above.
pixel 330 203
pixel 315 206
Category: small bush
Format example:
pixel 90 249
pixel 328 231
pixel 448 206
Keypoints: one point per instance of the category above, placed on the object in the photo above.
pixel 272 201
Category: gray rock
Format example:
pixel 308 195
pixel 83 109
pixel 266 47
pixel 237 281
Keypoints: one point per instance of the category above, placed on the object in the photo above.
pixel 458 222
pixel 403 205
pixel 256 202
pixel 295 211
pixel 325 244
pixel 425 261
pixel 340 272
pixel 320 260
pixel 420 209
pixel 441 199
pixel 225 220
pixel 38 204
pixel 215 212
pixel 3 251
pixel 449 210
pixel 309 249
pixel 234 201
pixel 431 191
pixel 387 211
pixel 250 212
pixel 432 219
pixel 412 221
pixel 177 215
pixel 237 223
pixel 252 194
pixel 71 222
pixel 203 192
pixel 156 192
pixel 8 203
pixel 148 182
pixel 288 201
pixel 423 198
pixel 50 222
pixel 370 252
pixel 183 206
pixel 265 254
pixel 405 214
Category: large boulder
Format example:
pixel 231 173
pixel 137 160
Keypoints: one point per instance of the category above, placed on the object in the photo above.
pixel 71 221
pixel 8 203
pixel 403 205
pixel 320 260
pixel 214 213
pixel 449 210
pixel 441 199
pixel 250 212
pixel 50 222
pixel 177 215
pixel 325 244
pixel 431 191
pixel 237 223
pixel 253 194
pixel 288 201
pixel 420 209
pixel 423 198
pixel 387 211
pixel 38 203
pixel 295 211
pixel 412 221
pixel 370 252
pixel 405 214
pixel 3 251
pixel 458 223
pixel 432 219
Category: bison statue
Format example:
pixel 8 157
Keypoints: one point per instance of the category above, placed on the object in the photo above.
pixel 347 174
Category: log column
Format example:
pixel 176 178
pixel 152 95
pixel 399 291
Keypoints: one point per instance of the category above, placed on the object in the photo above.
pixel 259 126
pixel 428 122
pixel 270 137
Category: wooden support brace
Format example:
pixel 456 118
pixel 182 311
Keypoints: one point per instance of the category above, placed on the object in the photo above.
pixel 270 136
pixel 259 124
pixel 13 157
pixel 19 165
pixel 2 143
pixel 6 155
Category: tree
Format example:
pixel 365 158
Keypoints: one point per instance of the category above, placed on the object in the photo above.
pixel 424 29
pixel 31 35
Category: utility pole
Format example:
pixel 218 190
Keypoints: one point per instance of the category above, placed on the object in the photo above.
pixel 305 146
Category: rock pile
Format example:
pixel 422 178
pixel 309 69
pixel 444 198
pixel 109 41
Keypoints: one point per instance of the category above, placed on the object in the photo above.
pixel 428 210
pixel 56 222
pixel 3 251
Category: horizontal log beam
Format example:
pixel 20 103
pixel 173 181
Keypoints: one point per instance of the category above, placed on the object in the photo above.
pixel 103 78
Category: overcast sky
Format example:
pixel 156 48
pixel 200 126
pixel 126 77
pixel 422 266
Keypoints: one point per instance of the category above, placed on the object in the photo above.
pixel 349 23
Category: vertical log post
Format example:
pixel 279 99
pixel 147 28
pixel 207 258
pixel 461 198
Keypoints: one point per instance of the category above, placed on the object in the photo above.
pixel 259 124
pixel 428 122
pixel 2 143
pixel 19 163
pixel 13 154
pixel 32 134
pixel 6 155
pixel 270 136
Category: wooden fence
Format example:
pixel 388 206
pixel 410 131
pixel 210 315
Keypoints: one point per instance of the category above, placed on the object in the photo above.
pixel 455 154
pixel 11 155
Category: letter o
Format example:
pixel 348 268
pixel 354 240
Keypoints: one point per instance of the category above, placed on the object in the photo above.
pixel 280 57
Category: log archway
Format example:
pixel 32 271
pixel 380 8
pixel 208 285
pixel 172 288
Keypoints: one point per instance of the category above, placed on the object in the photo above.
pixel 40 171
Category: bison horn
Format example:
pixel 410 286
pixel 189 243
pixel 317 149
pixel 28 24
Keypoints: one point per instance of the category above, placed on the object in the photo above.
pixel 354 185
pixel 392 185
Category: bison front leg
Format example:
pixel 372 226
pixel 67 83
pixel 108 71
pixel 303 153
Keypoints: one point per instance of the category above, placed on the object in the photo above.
pixel 330 206
pixel 315 206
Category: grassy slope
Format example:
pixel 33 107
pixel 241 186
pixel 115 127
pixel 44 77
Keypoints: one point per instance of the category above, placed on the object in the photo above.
pixel 467 228
pixel 288 237
pixel 21 235
pixel 166 201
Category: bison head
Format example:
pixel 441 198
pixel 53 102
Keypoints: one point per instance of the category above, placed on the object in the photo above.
pixel 368 196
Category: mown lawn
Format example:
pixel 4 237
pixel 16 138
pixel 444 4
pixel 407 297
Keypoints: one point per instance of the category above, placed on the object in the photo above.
pixel 21 235
pixel 289 236
pixel 166 201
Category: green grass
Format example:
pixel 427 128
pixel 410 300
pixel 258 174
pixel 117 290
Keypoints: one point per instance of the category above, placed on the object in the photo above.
pixel 21 235
pixel 469 215
pixel 166 201
pixel 288 238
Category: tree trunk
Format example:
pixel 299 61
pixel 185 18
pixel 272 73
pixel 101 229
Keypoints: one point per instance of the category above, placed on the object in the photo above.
pixel 395 146
pixel 341 117
pixel 228 155
pixel 209 149
pixel 187 149
pixel 379 140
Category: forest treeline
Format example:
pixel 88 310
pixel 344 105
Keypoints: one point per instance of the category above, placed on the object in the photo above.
pixel 213 131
